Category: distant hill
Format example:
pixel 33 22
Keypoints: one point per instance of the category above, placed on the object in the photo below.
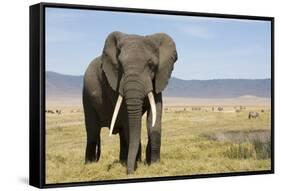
pixel 71 86
pixel 63 85
pixel 221 88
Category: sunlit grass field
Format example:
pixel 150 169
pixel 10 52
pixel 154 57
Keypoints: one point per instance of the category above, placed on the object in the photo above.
pixel 193 142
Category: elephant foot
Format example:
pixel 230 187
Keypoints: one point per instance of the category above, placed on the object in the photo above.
pixel 123 157
pixel 155 160
pixel 152 158
pixel 155 156
pixel 91 160
pixel 92 152
pixel 149 162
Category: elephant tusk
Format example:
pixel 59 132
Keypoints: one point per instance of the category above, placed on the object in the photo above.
pixel 115 113
pixel 153 107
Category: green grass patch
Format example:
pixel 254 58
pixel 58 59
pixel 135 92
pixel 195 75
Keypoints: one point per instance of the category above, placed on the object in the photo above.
pixel 192 143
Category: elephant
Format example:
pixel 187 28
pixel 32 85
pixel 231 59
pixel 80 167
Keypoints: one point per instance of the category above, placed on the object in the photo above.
pixel 119 86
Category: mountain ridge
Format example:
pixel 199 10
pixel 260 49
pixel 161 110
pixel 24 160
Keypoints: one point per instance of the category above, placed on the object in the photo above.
pixel 70 85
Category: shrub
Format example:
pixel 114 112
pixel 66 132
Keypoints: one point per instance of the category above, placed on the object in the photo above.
pixel 240 151
pixel 263 149
pixel 254 149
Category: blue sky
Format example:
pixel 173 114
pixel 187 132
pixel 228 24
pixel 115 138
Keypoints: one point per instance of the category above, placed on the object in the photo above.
pixel 208 48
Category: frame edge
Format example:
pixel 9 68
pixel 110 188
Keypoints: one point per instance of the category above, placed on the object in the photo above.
pixel 35 149
pixel 36 166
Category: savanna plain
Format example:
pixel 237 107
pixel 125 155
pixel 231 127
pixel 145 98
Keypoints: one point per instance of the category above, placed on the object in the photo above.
pixel 199 136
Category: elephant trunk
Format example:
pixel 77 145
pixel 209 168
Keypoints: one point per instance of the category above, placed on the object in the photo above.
pixel 134 94
pixel 134 108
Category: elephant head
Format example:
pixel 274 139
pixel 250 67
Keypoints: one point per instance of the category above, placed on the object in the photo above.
pixel 137 67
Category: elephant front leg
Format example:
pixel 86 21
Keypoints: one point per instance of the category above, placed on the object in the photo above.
pixel 154 133
pixel 123 148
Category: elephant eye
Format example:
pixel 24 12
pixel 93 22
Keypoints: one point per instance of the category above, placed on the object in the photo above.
pixel 151 64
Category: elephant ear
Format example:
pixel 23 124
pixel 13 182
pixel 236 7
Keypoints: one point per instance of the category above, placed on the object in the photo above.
pixel 167 58
pixel 110 63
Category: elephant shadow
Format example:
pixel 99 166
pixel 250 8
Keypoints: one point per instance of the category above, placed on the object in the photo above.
pixel 118 162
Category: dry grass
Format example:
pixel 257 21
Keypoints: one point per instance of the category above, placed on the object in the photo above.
pixel 191 144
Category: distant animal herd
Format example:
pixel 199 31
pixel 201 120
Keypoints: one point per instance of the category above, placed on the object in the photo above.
pixel 237 109
pixel 53 111
pixel 59 111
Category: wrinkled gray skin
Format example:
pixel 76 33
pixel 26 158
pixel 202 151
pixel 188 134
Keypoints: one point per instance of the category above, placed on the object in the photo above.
pixel 130 66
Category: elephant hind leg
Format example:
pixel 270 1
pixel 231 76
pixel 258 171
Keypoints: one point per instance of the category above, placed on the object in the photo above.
pixel 92 151
pixel 93 148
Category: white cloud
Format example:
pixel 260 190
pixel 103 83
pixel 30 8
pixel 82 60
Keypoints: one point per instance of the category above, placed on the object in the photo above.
pixel 197 31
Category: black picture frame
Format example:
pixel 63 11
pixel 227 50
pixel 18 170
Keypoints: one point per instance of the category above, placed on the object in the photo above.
pixel 37 93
